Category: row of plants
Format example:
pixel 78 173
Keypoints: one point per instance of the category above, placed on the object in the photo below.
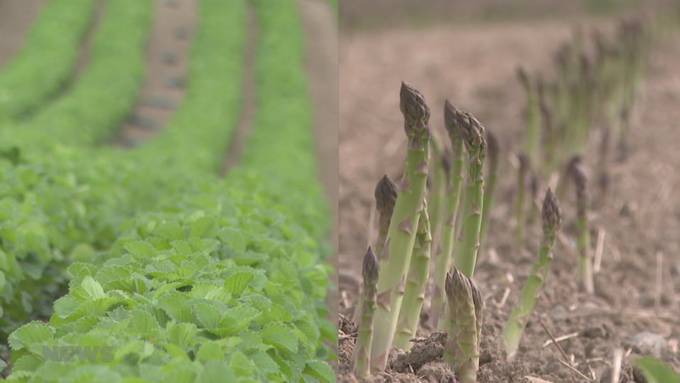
pixel 91 110
pixel 63 203
pixel 46 62
pixel 214 279
pixel 432 223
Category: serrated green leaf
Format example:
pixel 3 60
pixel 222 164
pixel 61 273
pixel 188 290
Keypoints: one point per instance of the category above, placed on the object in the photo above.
pixel 210 350
pixel 141 249
pixel 182 334
pixel 216 371
pixel 208 315
pixel 321 371
pixel 237 319
pixel 33 333
pixel 280 336
pixel 238 282
pixel 92 288
pixel 144 324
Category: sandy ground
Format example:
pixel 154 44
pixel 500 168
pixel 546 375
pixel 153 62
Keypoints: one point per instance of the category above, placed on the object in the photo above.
pixel 474 66
pixel 167 56
pixel 16 18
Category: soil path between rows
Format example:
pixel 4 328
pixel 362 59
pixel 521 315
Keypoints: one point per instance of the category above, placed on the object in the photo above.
pixel 86 46
pixel 637 296
pixel 321 32
pixel 16 19
pixel 249 101
pixel 167 58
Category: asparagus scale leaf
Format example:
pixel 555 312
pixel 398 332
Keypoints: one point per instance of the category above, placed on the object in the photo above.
pixel 402 230
pixel 385 198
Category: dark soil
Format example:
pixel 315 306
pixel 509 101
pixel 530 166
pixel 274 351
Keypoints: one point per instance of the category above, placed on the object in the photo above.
pixel 474 66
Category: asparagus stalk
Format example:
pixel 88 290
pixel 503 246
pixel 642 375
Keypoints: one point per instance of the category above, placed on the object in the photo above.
pixel 514 327
pixel 533 197
pixel 385 197
pixel 416 283
pixel 520 203
pixel 566 175
pixel 475 144
pixel 583 241
pixel 533 117
pixel 492 154
pixel 402 230
pixel 437 193
pixel 463 326
pixel 550 154
pixel 603 165
pixel 444 258
pixel 362 350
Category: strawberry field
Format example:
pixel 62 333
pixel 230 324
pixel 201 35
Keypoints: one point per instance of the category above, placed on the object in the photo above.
pixel 142 262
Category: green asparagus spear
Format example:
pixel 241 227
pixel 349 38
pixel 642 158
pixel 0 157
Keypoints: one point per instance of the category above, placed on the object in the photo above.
pixel 402 230
pixel 520 203
pixel 533 116
pixel 583 241
pixel 362 350
pixel 437 192
pixel 416 283
pixel 492 153
pixel 463 326
pixel 519 316
pixel 444 259
pixel 475 144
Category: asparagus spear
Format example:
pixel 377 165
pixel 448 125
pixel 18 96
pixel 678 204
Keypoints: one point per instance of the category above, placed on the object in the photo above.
pixel 444 258
pixel 416 283
pixel 463 326
pixel 550 154
pixel 519 316
pixel 603 165
pixel 362 350
pixel 402 230
pixel 583 241
pixel 385 197
pixel 566 175
pixel 533 115
pixel 520 203
pixel 533 197
pixel 437 192
pixel 492 152
pixel 475 144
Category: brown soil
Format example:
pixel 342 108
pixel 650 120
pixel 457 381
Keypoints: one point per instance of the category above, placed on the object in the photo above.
pixel 166 70
pixel 16 18
pixel 474 66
